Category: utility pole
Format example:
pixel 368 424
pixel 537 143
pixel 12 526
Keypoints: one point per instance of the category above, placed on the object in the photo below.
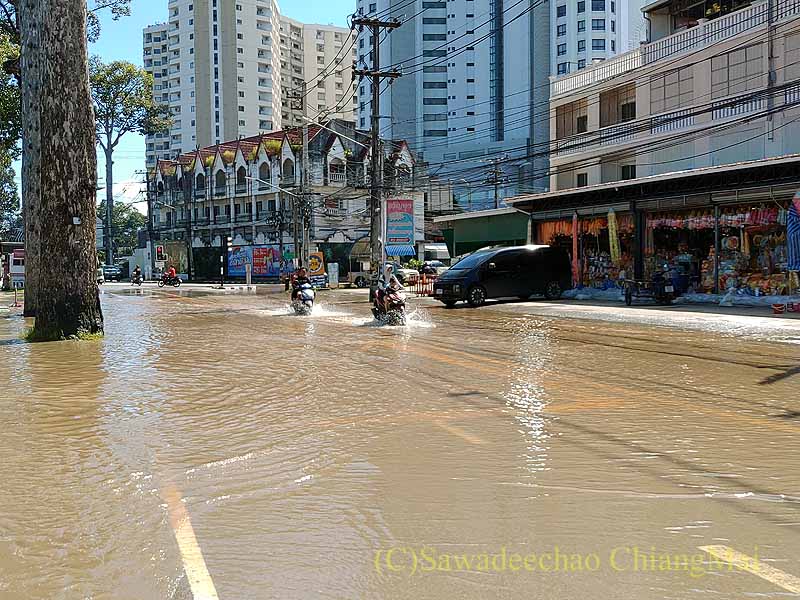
pixel 495 178
pixel 304 180
pixel 771 73
pixel 376 179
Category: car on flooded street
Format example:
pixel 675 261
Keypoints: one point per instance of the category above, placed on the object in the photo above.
pixel 509 272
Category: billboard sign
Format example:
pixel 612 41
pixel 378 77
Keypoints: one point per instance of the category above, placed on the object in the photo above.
pixel 400 221
pixel 264 261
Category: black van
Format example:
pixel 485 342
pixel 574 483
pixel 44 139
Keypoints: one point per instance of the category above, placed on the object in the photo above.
pixel 517 271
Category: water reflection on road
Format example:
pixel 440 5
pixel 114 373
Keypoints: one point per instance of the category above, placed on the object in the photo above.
pixel 325 457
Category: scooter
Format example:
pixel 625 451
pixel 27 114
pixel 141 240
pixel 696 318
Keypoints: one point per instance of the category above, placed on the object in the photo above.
pixel 303 302
pixel 167 280
pixel 663 288
pixel 137 281
pixel 395 314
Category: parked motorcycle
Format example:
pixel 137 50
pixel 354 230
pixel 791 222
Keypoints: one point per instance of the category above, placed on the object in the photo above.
pixel 663 288
pixel 395 312
pixel 167 280
pixel 303 302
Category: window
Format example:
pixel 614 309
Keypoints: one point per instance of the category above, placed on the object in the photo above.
pixel 581 26
pixel 618 105
pixel 613 46
pixel 671 91
pixel 434 37
pixel 598 24
pixel 628 171
pixel 737 71
pixel 613 26
pixel 613 7
pixel 582 6
pixel 581 63
pixel 581 179
pixel 562 49
pixel 598 44
pixel 563 68
pixel 434 85
pixel 598 5
pixel 561 30
pixel 435 133
pixel 561 11
pixel 434 101
pixel 434 21
pixel 581 45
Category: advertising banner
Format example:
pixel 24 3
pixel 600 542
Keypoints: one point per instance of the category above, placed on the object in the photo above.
pixel 265 261
pixel 238 257
pixel 316 263
pixel 400 221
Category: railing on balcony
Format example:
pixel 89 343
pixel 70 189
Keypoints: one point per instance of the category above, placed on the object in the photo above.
pixel 241 188
pixel 615 134
pixel 200 193
pixel 792 94
pixel 222 219
pixel 287 181
pixel 244 217
pixel 733 107
pixel 220 191
pixel 335 212
pixel 672 121
pixel 576 143
pixel 337 177
pixel 704 34
pixel 201 221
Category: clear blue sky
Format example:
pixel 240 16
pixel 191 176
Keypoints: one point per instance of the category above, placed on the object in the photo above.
pixel 122 40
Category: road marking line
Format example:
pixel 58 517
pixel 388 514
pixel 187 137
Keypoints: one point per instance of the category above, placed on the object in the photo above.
pixel 755 566
pixel 193 563
pixel 457 431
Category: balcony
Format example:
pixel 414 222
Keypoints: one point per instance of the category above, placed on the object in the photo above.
pixel 244 217
pixel 221 219
pixel 335 212
pixel 337 177
pixel 672 121
pixel 241 188
pixel 200 193
pixel 220 191
pixel 689 40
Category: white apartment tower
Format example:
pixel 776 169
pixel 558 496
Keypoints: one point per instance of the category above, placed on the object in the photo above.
pixel 233 68
pixel 585 32
pixel 474 87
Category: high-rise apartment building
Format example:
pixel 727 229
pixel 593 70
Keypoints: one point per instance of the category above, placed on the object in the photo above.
pixel 229 69
pixel 474 88
pixel 585 32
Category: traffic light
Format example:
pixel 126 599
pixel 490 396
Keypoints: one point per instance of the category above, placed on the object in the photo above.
pixel 160 254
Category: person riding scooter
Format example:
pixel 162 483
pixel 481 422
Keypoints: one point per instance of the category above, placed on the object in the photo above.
pixel 386 284
pixel 136 276
pixel 299 278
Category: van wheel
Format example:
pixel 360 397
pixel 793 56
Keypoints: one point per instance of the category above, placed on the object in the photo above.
pixel 476 296
pixel 553 291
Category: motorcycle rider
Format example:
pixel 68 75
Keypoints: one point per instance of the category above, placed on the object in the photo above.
pixel 299 278
pixel 136 275
pixel 386 284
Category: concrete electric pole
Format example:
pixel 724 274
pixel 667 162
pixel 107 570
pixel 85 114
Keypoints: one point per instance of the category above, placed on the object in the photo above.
pixel 375 26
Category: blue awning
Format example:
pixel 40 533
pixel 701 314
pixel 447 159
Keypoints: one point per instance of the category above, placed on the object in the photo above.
pixel 401 251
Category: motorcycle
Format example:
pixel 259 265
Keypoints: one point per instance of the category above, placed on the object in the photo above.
pixel 303 302
pixel 167 280
pixel 663 288
pixel 395 314
pixel 137 281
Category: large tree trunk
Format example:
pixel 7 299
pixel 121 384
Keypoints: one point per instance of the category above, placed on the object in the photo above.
pixel 61 167
pixel 29 62
pixel 109 217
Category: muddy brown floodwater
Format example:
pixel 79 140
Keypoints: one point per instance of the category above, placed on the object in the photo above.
pixel 217 447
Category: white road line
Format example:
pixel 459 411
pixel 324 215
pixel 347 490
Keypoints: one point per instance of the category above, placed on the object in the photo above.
pixel 193 562
pixel 755 566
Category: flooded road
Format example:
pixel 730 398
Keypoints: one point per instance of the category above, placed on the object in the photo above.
pixel 216 446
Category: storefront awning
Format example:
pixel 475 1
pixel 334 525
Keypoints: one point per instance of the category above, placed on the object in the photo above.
pixel 401 250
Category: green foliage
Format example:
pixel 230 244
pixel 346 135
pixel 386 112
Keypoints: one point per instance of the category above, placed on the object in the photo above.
pixel 10 217
pixel 31 336
pixel 414 263
pixel 273 147
pixel 123 102
pixel 125 222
